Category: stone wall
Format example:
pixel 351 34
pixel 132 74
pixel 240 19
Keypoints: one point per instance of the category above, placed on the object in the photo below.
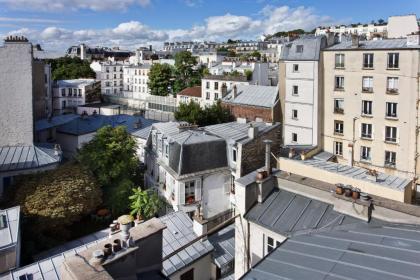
pixel 251 112
pixel 16 106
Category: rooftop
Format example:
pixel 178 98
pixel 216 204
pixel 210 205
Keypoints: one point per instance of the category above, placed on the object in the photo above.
pixel 223 242
pixel 311 48
pixel 191 91
pixel 13 158
pixel 226 78
pixel 253 95
pixel 9 234
pixel 377 251
pixel 74 83
pixel 384 44
pixel 141 66
pixel 54 121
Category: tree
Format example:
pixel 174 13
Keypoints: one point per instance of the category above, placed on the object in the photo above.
pixel 112 157
pixel 381 21
pixel 144 204
pixel 160 79
pixel 256 55
pixel 193 113
pixel 248 74
pixel 186 74
pixel 57 198
pixel 70 68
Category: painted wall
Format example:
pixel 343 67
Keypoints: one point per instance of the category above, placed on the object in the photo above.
pixel 202 269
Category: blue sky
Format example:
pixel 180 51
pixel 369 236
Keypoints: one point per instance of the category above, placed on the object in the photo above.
pixel 56 24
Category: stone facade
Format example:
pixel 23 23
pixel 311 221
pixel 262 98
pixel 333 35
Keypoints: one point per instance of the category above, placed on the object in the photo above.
pixel 16 86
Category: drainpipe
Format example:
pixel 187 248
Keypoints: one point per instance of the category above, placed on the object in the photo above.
pixel 353 141
pixel 416 155
pixel 267 156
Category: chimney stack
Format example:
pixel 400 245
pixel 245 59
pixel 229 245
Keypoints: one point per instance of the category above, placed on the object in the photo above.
pixel 413 39
pixel 235 91
pixel 252 131
pixel 268 156
pixel 354 41
pixel 125 226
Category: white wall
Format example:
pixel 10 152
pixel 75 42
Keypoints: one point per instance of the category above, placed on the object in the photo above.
pixel 202 269
pixel 216 194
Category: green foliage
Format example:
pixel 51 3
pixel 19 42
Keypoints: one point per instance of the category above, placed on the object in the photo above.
pixel 144 204
pixel 193 113
pixel 186 72
pixel 222 49
pixel 286 33
pixel 160 79
pixel 231 53
pixel 57 198
pixel 70 68
pixel 248 74
pixel 256 55
pixel 111 156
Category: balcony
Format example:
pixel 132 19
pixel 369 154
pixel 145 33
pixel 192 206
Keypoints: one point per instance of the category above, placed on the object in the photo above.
pixel 367 89
pixel 338 110
pixel 390 164
pixel 392 90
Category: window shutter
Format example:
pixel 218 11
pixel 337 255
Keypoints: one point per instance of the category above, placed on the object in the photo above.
pixel 198 190
pixel 181 193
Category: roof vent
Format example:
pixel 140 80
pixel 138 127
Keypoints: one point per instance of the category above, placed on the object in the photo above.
pixel 26 276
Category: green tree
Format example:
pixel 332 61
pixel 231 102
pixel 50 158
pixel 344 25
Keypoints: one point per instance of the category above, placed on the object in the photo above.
pixel 144 204
pixel 248 74
pixel 256 55
pixel 112 157
pixel 160 79
pixel 70 68
pixel 193 113
pixel 186 72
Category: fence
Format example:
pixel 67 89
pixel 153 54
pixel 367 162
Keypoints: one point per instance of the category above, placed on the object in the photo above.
pixel 220 218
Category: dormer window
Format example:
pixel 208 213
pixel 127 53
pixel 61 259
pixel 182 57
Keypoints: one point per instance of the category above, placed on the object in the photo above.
pixel 299 48
pixel 234 154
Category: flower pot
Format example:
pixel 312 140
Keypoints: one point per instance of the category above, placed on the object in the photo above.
pixel 107 250
pixel 339 189
pixel 116 247
pixel 355 194
pixel 347 192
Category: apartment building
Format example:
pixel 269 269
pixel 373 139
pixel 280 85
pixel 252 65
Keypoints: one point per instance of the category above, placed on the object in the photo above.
pixel 69 94
pixel 371 95
pixel 215 87
pixel 300 87
pixel 112 78
pixel 135 81
pixel 42 89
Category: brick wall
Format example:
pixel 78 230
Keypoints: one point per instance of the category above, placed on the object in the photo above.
pixel 250 112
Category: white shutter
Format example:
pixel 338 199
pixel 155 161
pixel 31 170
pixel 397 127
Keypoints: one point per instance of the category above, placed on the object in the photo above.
pixel 198 190
pixel 181 193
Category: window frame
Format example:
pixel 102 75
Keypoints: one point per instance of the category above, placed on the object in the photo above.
pixel 338 148
pixel 367 107
pixel 338 127
pixel 395 64
pixel 391 134
pixel 294 114
pixel 295 68
pixel 368 64
pixel 340 62
pixel 366 134
pixel 339 82
pixel 365 153
pixel 390 159
pixel 393 107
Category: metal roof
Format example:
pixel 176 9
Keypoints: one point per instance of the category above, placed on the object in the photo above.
pixel 144 132
pixel 373 45
pixel 73 83
pixel 384 180
pixel 54 121
pixel 14 158
pixel 9 235
pixel 288 213
pixel 178 232
pixel 254 95
pixel 223 242
pixel 311 49
pixel 374 251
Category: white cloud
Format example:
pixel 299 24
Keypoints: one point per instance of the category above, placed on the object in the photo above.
pixel 132 34
pixel 60 5
pixel 29 20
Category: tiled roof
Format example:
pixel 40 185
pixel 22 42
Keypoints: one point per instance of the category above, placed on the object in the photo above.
pixel 223 242
pixel 9 235
pixel 253 95
pixel 373 45
pixel 14 158
pixel 191 91
pixel 311 49
pixel 375 251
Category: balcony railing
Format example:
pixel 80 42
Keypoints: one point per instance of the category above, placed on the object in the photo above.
pixel 392 90
pixel 338 110
pixel 391 139
pixel 367 89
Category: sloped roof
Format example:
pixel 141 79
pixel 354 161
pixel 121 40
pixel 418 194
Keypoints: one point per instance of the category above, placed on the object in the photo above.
pixel 253 95
pixel 311 49
pixel 374 45
pixel 191 91
pixel 223 242
pixel 73 83
pixel 54 121
pixel 287 213
pixel 9 235
pixel 13 158
pixel 375 251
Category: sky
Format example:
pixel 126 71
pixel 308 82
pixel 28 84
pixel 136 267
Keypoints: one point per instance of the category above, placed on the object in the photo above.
pixel 59 24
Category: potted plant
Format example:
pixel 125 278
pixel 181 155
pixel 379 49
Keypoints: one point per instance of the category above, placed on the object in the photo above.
pixel 190 199
pixel 339 189
pixel 356 193
pixel 144 205
pixel 348 191
pixel 372 175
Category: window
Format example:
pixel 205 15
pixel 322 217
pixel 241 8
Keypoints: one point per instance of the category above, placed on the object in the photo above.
pixel 366 107
pixel 339 106
pixel 271 244
pixel 63 92
pixel 294 114
pixel 115 76
pixel 391 134
pixel 166 150
pixel 190 192
pixel 339 60
pixel 115 69
pixel 299 48
pixel 216 96
pixel 368 60
pixel 366 130
pixel 339 82
pixel 390 158
pixel 295 90
pixel 393 60
pixel 295 67
pixel 189 275
pixel 391 110
pixel 367 84
pixel 392 85
pixel 365 153
pixel 63 104
pixel 338 127
pixel 216 85
pixel 294 137
pixel 207 95
pixel 338 148
pixel 234 154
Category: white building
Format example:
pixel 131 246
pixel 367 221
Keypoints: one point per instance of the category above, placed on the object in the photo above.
pixel 112 78
pixel 69 94
pixel 301 90
pixel 135 81
pixel 189 94
pixel 209 58
pixel 212 87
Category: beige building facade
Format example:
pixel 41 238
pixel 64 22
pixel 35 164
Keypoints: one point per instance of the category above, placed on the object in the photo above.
pixel 371 95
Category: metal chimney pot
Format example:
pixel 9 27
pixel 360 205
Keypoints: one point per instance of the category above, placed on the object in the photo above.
pixel 268 156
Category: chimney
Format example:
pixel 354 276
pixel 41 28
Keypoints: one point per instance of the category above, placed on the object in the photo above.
pixel 125 226
pixel 413 39
pixel 252 131
pixel 354 41
pixel 199 224
pixel 235 91
pixel 268 156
